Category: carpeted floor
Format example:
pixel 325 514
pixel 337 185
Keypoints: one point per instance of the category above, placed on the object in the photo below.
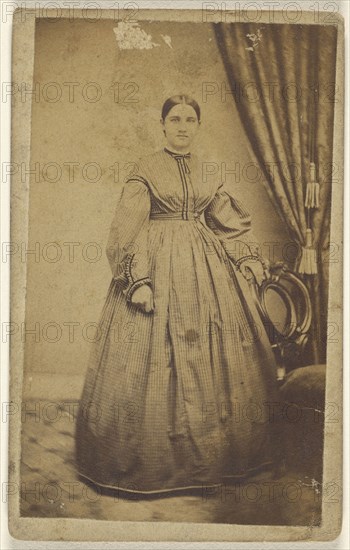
pixel 50 486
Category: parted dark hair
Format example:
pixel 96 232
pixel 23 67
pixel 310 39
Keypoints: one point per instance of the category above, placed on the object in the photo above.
pixel 178 100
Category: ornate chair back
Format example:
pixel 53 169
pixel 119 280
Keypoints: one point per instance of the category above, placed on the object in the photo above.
pixel 284 305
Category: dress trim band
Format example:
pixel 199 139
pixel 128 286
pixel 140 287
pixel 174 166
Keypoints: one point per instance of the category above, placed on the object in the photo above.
pixel 207 485
pixel 174 216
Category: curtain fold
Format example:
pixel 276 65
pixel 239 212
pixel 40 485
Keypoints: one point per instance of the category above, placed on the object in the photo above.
pixel 282 78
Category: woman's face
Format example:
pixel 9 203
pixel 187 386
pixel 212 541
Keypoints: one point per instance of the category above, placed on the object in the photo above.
pixel 181 125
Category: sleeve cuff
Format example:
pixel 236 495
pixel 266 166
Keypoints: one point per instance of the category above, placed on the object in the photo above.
pixel 129 292
pixel 254 257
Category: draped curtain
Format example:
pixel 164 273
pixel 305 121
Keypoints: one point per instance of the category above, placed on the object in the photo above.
pixel 282 78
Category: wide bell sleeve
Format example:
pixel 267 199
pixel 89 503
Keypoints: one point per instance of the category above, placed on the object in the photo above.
pixel 127 247
pixel 231 222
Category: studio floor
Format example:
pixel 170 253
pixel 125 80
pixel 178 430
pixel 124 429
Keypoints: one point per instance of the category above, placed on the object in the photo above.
pixel 50 487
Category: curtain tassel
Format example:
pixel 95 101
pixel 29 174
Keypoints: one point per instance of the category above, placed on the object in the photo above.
pixel 312 197
pixel 308 262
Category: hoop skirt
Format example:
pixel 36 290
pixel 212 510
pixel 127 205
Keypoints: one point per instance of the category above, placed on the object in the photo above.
pixel 181 396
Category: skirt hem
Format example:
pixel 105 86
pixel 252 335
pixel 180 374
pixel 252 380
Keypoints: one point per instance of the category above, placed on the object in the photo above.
pixel 233 476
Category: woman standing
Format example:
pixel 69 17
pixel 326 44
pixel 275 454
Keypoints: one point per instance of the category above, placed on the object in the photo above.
pixel 178 387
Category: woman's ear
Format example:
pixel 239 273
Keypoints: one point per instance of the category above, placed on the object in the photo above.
pixel 162 123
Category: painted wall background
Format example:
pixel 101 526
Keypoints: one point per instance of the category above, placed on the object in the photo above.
pixel 83 132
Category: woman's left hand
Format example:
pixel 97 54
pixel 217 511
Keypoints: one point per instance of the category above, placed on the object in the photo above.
pixel 254 269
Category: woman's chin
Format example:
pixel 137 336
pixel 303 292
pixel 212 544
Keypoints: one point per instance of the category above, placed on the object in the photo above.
pixel 180 144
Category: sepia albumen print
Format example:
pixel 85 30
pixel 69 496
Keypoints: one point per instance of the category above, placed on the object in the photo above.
pixel 178 241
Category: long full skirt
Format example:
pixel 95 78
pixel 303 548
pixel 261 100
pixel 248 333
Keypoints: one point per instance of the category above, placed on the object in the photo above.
pixel 180 397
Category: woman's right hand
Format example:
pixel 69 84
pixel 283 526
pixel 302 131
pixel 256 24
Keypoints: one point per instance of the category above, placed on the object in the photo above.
pixel 142 297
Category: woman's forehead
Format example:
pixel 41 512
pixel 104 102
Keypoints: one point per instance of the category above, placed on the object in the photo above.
pixel 182 110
